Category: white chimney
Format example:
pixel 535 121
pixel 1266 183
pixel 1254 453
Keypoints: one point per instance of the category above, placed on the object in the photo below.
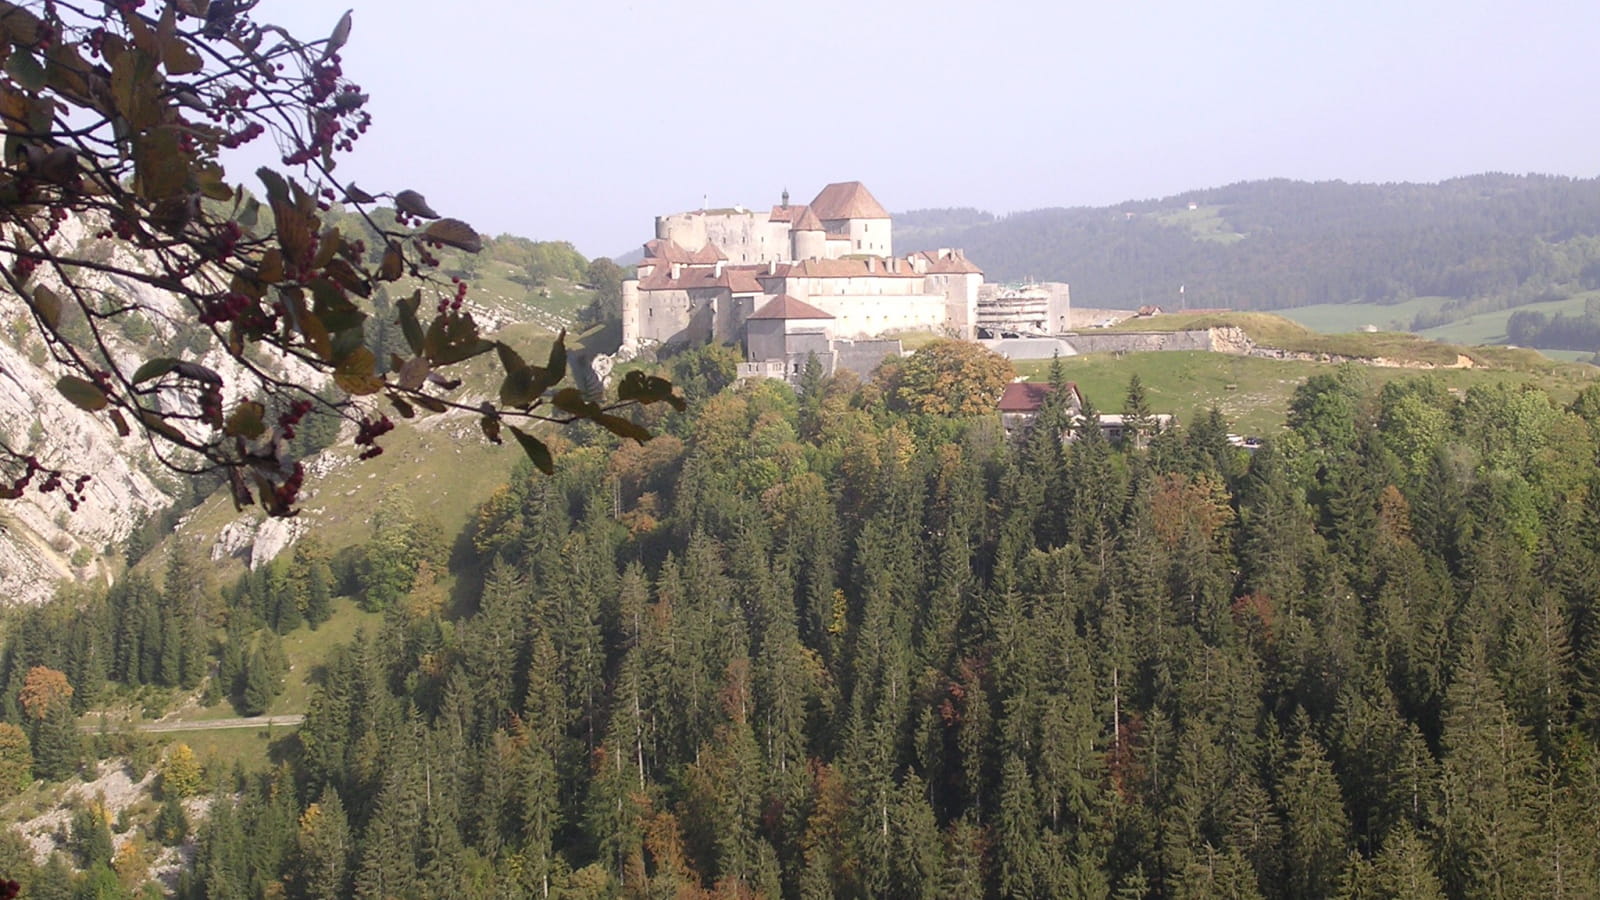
pixel 677 270
pixel 716 271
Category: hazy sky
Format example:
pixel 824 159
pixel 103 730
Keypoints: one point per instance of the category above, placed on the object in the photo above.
pixel 583 120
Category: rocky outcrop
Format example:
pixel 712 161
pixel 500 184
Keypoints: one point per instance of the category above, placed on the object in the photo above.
pixel 41 540
pixel 39 536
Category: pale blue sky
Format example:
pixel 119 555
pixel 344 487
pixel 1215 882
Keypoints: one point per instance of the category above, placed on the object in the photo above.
pixel 582 120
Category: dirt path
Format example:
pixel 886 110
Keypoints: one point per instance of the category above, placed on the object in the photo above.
pixel 206 724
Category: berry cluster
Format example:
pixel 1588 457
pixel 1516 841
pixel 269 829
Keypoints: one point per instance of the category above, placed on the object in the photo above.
pixel 325 79
pixel 121 228
pixel 290 489
pixel 230 306
pixel 211 405
pixel 227 237
pixel 95 42
pixel 368 432
pixel 288 420
pixel 45 35
pixel 54 480
pixel 337 118
pixel 453 304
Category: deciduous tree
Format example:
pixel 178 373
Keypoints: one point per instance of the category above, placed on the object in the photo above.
pixel 948 378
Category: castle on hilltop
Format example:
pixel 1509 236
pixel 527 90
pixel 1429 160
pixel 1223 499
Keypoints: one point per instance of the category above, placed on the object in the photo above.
pixel 794 280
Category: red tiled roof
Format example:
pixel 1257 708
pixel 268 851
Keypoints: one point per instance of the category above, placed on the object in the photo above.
pixel 847 200
pixel 1027 396
pixel 787 307
pixel 849 268
pixel 950 264
pixel 742 280
pixel 807 221
pixel 738 279
pixel 662 280
pixel 788 213
pixel 669 251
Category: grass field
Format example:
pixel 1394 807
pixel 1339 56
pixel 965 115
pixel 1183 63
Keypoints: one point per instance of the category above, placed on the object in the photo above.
pixel 1334 318
pixel 249 747
pixel 1253 393
pixel 1490 327
pixel 306 651
pixel 1204 223
pixel 1475 330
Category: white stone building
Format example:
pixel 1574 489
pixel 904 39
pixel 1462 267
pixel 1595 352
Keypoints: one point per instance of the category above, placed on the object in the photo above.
pixel 707 272
pixel 1024 310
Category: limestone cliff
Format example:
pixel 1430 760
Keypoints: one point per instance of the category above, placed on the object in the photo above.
pixel 41 541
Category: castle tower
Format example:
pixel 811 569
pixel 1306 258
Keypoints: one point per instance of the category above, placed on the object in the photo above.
pixel 810 241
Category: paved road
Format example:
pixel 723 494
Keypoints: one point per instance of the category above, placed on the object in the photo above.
pixel 204 724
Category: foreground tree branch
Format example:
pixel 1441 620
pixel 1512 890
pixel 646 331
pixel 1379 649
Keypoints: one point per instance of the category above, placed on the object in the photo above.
pixel 116 115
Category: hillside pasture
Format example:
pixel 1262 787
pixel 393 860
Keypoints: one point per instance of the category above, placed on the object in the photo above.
pixel 1252 393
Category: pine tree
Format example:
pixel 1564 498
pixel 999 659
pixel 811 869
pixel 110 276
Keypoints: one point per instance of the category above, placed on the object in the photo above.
pixel 1136 416
pixel 259 686
pixel 1315 825
pixel 1485 813
pixel 57 746
pixel 91 837
pixel 172 823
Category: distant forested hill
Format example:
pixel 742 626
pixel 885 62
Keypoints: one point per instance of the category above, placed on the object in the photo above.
pixel 1500 240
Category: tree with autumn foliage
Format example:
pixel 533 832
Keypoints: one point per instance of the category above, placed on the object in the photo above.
pixel 947 378
pixel 117 122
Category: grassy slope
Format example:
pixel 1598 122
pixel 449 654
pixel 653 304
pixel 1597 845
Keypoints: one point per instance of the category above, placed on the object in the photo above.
pixel 1483 328
pixel 1204 223
pixel 1274 331
pixel 1252 393
pixel 1334 318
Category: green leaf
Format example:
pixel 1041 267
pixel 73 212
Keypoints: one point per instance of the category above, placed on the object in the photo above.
pixel 82 394
pixel 571 400
pixel 643 388
pixel 510 359
pixel 179 57
pixel 354 373
pixel 160 167
pixel 135 90
pixel 158 423
pixel 490 423
pixel 154 368
pixel 394 264
pixel 558 357
pixel 25 70
pixel 621 427
pixel 536 450
pixel 333 307
pixel 277 187
pixel 412 203
pixel 409 325
pixel 47 305
pixel 454 233
pixel 248 421
pixel 521 386
pixel 120 423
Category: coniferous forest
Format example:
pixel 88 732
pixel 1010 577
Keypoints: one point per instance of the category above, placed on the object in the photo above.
pixel 806 646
